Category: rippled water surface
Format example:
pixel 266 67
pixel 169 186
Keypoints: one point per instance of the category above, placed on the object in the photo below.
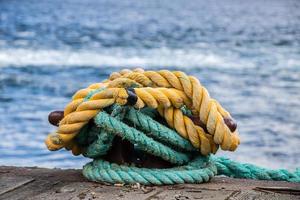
pixel 247 55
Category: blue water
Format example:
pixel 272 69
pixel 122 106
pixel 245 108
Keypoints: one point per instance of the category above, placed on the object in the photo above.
pixel 247 55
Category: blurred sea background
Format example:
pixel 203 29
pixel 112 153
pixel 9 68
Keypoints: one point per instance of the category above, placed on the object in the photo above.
pixel 247 54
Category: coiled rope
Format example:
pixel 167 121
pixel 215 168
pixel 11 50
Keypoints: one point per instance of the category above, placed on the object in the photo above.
pixel 126 104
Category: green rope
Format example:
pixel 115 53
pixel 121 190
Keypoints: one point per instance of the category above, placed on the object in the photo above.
pixel 235 169
pixel 100 170
pixel 139 127
pixel 153 129
pixel 147 144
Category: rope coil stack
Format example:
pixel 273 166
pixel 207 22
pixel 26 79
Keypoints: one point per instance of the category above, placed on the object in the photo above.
pixel 192 127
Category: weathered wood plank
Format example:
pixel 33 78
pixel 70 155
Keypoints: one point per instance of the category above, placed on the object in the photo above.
pixel 38 183
pixel 10 183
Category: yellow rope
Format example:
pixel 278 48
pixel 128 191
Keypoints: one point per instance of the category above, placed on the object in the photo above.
pixel 163 90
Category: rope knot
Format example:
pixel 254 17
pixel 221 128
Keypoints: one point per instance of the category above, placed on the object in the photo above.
pixel 137 122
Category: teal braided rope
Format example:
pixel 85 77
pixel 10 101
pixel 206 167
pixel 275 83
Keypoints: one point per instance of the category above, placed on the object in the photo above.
pixel 100 146
pixel 147 144
pixel 103 171
pixel 96 141
pixel 104 139
pixel 235 169
pixel 156 130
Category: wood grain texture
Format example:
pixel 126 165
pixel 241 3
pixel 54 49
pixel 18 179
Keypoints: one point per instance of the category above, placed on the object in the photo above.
pixel 51 184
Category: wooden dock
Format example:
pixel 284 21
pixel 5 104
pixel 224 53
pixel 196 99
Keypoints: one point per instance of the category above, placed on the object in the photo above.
pixel 39 183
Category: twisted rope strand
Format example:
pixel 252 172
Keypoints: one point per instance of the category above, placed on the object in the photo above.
pixel 234 169
pixel 103 171
pixel 146 143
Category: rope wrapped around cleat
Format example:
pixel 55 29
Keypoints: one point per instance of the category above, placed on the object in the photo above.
pixel 169 115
